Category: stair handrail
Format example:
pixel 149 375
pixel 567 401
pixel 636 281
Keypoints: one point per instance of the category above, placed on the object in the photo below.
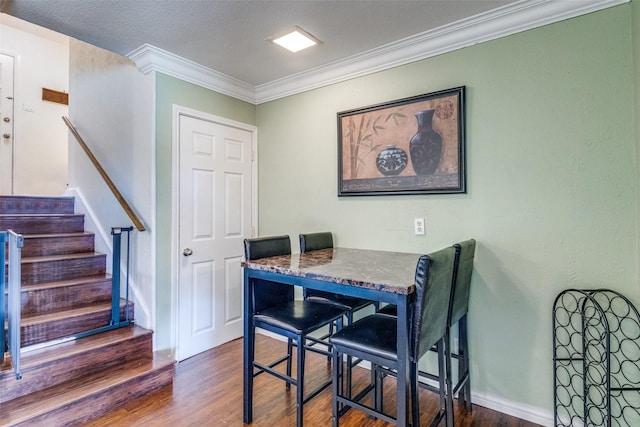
pixel 134 218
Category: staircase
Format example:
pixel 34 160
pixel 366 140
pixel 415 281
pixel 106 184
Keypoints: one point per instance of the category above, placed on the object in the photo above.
pixel 65 291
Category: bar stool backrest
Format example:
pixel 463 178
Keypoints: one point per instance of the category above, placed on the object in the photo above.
pixel 315 241
pixel 462 280
pixel 434 278
pixel 266 293
pixel 263 247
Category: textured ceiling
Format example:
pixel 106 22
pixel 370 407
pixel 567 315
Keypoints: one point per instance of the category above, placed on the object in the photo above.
pixel 230 36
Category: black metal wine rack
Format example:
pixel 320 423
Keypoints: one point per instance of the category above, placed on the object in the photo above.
pixel 596 359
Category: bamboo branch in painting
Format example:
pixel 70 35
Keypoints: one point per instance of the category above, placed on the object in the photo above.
pixel 354 169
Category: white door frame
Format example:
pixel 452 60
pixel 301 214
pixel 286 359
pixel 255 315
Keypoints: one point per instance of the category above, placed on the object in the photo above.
pixel 176 251
pixel 13 126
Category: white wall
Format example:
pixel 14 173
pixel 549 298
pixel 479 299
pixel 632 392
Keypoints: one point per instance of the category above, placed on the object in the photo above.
pixel 41 60
pixel 112 108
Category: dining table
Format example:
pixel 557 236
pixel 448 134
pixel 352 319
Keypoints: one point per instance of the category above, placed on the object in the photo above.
pixel 384 276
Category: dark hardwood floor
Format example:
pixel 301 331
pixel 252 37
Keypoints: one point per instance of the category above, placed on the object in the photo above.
pixel 207 391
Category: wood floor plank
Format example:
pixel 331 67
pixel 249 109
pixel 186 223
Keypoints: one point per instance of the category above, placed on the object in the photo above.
pixel 207 391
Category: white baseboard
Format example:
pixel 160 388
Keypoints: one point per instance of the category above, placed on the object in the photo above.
pixel 515 409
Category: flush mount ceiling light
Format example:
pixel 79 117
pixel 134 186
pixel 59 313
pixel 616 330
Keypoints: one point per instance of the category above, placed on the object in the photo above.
pixel 295 40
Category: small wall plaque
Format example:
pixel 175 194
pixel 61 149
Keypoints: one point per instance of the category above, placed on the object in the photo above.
pixel 55 96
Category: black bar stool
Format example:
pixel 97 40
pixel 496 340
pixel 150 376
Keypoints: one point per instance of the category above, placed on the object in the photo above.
pixel 374 338
pixel 457 316
pixel 324 240
pixel 274 309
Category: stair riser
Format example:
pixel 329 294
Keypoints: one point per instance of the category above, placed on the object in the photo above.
pixel 60 245
pixel 43 224
pixel 75 366
pixel 97 404
pixel 60 328
pixel 61 298
pixel 56 270
pixel 36 205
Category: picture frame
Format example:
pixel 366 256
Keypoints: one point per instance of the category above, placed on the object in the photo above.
pixel 414 145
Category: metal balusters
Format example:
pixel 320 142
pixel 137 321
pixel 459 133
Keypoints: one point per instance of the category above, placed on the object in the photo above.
pixel 116 232
pixel 10 342
pixel 115 321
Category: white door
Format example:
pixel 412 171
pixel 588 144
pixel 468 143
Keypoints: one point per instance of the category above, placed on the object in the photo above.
pixel 215 174
pixel 6 124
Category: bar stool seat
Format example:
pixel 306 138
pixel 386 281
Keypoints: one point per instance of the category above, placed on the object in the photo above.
pixel 297 317
pixel 375 334
pixel 389 310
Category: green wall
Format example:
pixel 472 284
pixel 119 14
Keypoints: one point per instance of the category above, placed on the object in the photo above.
pixel 171 91
pixel 551 177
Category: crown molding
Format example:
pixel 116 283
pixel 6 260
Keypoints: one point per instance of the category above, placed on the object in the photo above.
pixel 507 20
pixel 149 58
pixel 501 22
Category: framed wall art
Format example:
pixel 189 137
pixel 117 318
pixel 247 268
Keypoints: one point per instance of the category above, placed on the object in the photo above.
pixel 410 146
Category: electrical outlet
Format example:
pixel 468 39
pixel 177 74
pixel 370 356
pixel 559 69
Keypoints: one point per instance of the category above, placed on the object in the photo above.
pixel 418 225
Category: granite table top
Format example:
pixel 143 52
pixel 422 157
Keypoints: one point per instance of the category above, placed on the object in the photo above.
pixel 379 270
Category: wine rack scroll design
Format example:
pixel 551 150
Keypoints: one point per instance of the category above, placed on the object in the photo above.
pixel 596 359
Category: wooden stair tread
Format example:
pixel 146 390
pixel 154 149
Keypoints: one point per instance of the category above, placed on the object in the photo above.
pixel 30 287
pixel 57 235
pixel 59 351
pixel 63 283
pixel 51 354
pixel 47 400
pixel 30 320
pixel 37 215
pixel 80 255
pixel 59 363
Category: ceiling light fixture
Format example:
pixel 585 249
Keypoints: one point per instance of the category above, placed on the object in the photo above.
pixel 295 40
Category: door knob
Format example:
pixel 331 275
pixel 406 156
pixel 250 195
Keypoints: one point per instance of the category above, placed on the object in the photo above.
pixel 6 135
pixel 187 252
